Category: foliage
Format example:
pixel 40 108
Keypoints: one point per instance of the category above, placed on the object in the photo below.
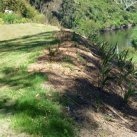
pixel 18 6
pixel 125 69
pixel 67 13
pixel 9 18
pixel 21 10
pixel 12 18
pixel 107 56
pixel 131 91
pixel 89 16
pixel 134 38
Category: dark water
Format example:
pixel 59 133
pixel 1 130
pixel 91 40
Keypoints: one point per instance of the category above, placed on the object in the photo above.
pixel 120 37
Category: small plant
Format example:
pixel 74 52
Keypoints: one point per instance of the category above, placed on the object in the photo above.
pixel 67 59
pixel 53 51
pixel 106 67
pixel 104 75
pixel 80 58
pixel 98 103
pixel 131 91
pixel 126 68
pixel 121 59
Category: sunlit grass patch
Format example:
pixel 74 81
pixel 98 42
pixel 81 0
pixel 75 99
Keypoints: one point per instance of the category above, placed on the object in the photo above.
pixel 20 30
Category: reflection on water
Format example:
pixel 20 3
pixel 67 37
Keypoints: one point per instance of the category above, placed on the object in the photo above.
pixel 121 37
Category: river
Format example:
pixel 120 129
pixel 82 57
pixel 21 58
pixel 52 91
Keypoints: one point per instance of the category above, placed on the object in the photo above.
pixel 121 37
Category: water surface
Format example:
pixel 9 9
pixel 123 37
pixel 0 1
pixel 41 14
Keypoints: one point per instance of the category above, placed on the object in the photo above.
pixel 120 37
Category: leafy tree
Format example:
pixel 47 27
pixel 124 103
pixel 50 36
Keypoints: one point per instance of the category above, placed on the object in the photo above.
pixel 68 13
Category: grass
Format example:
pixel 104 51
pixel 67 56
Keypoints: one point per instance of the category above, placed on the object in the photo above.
pixel 19 30
pixel 22 93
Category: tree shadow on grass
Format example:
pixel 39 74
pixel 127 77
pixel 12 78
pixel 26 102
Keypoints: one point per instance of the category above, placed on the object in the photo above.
pixel 19 79
pixel 37 116
pixel 32 112
pixel 29 43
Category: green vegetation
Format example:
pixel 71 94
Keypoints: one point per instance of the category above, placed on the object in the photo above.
pixel 132 53
pixel 89 16
pixel 134 38
pixel 54 82
pixel 22 92
pixel 124 65
pixel 22 12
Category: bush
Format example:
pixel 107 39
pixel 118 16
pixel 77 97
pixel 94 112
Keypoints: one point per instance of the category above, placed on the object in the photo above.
pixel 21 7
pixel 13 18
pixel 9 18
pixel 28 11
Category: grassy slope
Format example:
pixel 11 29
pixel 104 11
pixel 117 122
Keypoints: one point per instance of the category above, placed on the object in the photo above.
pixel 21 93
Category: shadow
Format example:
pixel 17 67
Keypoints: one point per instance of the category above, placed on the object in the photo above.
pixel 84 94
pixel 32 112
pixel 28 43
pixel 36 117
pixel 87 88
pixel 19 79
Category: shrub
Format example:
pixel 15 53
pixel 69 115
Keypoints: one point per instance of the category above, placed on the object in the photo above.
pixel 21 7
pixel 131 91
pixel 9 18
pixel 105 68
pixel 13 18
pixel 28 12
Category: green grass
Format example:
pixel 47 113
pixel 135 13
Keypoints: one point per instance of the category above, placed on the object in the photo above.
pixel 19 30
pixel 22 93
